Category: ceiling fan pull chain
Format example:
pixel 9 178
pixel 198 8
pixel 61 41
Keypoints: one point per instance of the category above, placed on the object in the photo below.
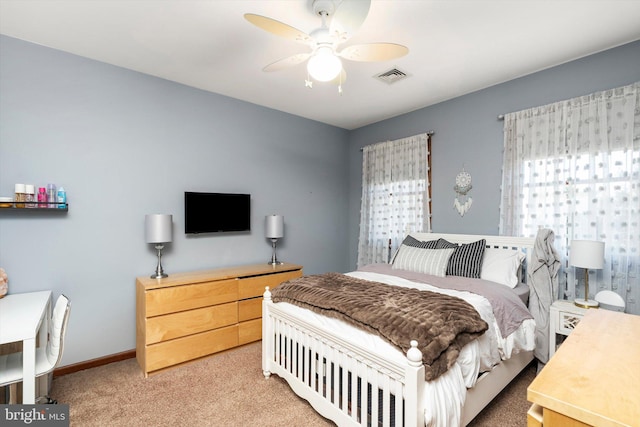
pixel 308 82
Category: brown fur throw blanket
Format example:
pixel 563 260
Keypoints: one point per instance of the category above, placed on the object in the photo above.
pixel 441 324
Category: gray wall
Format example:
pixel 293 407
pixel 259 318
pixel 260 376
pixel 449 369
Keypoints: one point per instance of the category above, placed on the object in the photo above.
pixel 123 145
pixel 467 133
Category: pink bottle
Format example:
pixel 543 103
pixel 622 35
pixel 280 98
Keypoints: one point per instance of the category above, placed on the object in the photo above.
pixel 42 197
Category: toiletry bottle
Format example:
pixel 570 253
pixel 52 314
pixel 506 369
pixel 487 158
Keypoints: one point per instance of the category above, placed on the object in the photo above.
pixel 62 198
pixel 42 197
pixel 20 195
pixel 30 196
pixel 52 196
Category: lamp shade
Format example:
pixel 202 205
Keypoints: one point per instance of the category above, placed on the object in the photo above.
pixel 274 226
pixel 587 254
pixel 157 228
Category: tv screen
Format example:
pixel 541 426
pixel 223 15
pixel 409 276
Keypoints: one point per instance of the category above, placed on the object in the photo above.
pixel 216 212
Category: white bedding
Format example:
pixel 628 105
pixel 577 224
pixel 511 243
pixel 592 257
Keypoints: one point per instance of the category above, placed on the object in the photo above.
pixel 444 396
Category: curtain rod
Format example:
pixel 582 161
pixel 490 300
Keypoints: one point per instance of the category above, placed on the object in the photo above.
pixel 430 133
pixel 500 116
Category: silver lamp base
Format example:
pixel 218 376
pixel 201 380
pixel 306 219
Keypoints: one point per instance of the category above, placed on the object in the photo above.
pixel 274 258
pixel 159 274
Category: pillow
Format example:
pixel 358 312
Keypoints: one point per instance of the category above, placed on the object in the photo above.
pixel 445 244
pixel 412 241
pixel 466 259
pixel 501 266
pixel 428 261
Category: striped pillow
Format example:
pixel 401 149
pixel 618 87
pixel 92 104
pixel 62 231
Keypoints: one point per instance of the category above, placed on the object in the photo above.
pixel 466 260
pixel 428 261
pixel 412 241
pixel 445 244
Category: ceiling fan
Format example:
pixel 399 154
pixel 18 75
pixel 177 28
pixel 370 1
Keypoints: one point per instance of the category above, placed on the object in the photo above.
pixel 324 64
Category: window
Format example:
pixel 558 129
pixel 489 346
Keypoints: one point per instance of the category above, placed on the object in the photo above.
pixel 574 167
pixel 395 195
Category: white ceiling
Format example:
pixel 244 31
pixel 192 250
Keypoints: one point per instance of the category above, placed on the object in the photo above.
pixel 455 46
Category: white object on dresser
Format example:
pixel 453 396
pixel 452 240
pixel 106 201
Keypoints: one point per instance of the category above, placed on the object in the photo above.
pixel 565 316
pixel 610 300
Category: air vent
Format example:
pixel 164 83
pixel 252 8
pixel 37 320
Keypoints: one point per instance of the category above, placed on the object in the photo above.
pixel 392 76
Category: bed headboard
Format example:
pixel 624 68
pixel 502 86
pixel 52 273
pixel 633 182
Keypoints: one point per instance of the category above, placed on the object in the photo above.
pixel 524 244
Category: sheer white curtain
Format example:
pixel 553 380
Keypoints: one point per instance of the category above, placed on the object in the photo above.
pixel 395 197
pixel 574 167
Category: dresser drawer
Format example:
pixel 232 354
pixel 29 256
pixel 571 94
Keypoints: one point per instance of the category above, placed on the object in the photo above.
pixel 175 325
pixel 180 350
pixel 250 287
pixel 187 297
pixel 249 309
pixel 250 331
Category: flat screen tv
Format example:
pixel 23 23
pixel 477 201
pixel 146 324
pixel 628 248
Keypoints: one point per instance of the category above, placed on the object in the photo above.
pixel 216 212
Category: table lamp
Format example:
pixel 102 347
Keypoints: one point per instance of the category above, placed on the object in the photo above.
pixel 157 230
pixel 274 230
pixel 587 254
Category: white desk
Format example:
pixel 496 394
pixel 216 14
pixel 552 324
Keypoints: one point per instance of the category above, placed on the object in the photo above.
pixel 21 317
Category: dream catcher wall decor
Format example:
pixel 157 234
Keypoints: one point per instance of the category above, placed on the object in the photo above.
pixel 463 201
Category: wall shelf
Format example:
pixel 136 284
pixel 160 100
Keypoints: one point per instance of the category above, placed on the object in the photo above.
pixel 37 207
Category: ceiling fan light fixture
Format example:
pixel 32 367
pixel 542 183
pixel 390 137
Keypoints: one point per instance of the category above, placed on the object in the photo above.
pixel 324 65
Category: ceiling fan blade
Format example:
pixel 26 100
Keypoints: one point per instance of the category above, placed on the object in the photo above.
pixel 287 62
pixel 373 52
pixel 349 16
pixel 278 28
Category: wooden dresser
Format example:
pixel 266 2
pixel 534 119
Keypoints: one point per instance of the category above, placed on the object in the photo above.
pixel 190 315
pixel 594 377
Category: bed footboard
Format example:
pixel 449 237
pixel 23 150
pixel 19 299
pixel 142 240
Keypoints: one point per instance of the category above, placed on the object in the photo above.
pixel 344 383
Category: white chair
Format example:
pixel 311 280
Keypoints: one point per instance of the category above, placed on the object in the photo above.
pixel 610 300
pixel 47 357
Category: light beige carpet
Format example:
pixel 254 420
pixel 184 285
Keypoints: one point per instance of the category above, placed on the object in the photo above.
pixel 226 389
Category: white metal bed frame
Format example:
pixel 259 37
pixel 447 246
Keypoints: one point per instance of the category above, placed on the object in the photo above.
pixel 329 372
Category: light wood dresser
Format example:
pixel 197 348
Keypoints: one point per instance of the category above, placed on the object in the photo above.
pixel 594 377
pixel 190 315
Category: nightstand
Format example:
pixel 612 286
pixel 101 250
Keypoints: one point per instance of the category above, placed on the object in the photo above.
pixel 564 317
